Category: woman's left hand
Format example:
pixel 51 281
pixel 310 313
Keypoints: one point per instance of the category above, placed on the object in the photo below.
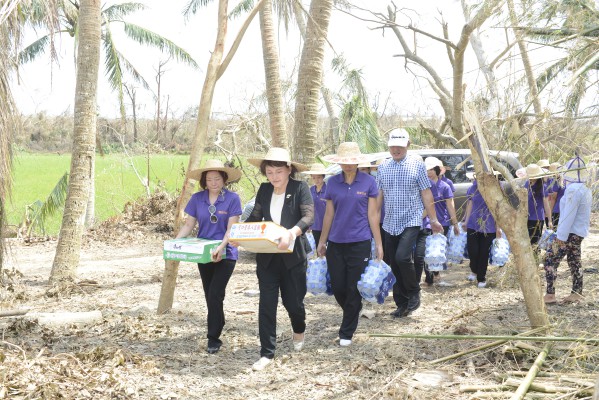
pixel 285 240
pixel 217 254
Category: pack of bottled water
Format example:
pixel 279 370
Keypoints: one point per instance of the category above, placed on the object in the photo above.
pixel 312 242
pixel 318 279
pixel 500 252
pixel 435 251
pixel 456 245
pixel 372 249
pixel 375 282
pixel 547 239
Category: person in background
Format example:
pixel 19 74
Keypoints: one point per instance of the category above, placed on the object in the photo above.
pixel 444 178
pixel 351 220
pixel 287 202
pixel 317 173
pixel 405 189
pixel 369 168
pixel 555 192
pixel 575 217
pixel 538 204
pixel 444 206
pixel 214 209
pixel 481 231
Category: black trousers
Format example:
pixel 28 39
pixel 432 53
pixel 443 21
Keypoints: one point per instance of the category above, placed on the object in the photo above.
pixel 400 249
pixel 316 235
pixel 479 247
pixel 535 230
pixel 346 263
pixel 292 284
pixel 419 255
pixel 215 277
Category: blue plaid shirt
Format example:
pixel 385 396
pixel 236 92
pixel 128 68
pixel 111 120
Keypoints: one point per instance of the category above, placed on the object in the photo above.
pixel 401 183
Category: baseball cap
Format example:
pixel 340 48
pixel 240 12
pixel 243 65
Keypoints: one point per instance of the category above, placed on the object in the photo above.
pixel 398 137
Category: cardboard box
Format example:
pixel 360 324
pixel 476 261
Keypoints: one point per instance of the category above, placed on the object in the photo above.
pixel 259 237
pixel 194 250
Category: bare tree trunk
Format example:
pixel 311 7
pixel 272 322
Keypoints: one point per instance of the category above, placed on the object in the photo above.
pixel 67 255
pixel 90 209
pixel 309 81
pixel 214 71
pixel 270 54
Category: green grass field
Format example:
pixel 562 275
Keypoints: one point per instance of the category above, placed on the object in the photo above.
pixel 35 175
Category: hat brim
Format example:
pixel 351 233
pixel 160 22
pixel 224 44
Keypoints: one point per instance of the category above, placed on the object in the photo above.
pixel 233 174
pixel 316 173
pixel 353 160
pixel 398 143
pixel 256 162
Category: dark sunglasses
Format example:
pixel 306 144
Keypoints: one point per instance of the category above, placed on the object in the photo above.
pixel 212 211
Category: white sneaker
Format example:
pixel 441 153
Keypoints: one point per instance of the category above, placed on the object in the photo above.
pixel 261 363
pixel 471 277
pixel 344 342
pixel 482 285
pixel 298 345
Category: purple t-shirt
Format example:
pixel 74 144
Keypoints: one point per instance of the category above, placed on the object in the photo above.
pixel 481 219
pixel 536 210
pixel 441 192
pixel 227 205
pixel 553 186
pixel 320 205
pixel 449 182
pixel 350 223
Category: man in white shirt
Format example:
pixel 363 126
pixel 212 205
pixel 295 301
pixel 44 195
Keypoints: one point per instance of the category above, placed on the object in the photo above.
pixel 574 223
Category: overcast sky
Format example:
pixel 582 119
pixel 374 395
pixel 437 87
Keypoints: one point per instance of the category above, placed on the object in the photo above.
pixel 50 88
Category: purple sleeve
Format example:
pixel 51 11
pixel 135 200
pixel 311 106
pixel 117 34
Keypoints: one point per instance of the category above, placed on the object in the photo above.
pixel 373 190
pixel 191 207
pixel 448 193
pixel 470 192
pixel 235 206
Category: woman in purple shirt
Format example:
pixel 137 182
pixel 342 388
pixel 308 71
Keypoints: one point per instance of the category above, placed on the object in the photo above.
pixel 317 173
pixel 555 192
pixel 350 221
pixel 538 204
pixel 481 231
pixel 214 209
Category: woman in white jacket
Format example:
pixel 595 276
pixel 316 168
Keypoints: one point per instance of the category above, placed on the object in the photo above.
pixel 575 218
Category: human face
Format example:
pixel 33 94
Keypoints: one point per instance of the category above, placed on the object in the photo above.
pixel 431 174
pixel 349 168
pixel 364 169
pixel 278 176
pixel 214 181
pixel 318 180
pixel 398 153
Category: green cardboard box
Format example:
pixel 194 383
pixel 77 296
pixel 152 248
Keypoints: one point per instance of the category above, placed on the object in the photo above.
pixel 195 250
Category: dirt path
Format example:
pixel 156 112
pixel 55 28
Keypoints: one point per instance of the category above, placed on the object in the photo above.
pixel 137 354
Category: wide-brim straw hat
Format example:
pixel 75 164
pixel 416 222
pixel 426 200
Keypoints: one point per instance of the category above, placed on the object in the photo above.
pixel 348 153
pixel 544 163
pixel 368 165
pixel 534 171
pixel 278 154
pixel 553 167
pixel 317 169
pixel 233 174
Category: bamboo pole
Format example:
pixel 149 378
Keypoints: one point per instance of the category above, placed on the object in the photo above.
pixel 488 337
pixel 13 313
pixel 532 373
pixel 485 346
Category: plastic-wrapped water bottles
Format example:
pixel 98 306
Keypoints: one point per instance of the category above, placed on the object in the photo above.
pixel 547 239
pixel 500 252
pixel 434 253
pixel 372 249
pixel 312 242
pixel 318 280
pixel 376 281
pixel 457 245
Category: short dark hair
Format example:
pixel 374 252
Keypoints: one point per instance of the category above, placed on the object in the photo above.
pixel 437 170
pixel 269 163
pixel 203 178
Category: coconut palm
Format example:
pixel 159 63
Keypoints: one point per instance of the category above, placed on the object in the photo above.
pixel 115 61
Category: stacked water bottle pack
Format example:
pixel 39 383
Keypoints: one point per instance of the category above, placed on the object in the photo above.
pixel 457 245
pixel 547 239
pixel 312 242
pixel 500 251
pixel 435 252
pixel 376 281
pixel 318 279
pixel 372 249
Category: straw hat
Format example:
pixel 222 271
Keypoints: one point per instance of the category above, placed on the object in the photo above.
pixel 317 169
pixel 233 174
pixel 347 153
pixel 576 171
pixel 368 165
pixel 553 166
pixel 278 154
pixel 534 171
pixel 432 162
pixel 544 163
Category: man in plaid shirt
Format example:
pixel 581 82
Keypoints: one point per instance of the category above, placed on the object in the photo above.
pixel 405 188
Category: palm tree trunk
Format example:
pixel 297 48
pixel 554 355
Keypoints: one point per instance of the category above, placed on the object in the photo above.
pixel 67 255
pixel 90 209
pixel 309 81
pixel 270 54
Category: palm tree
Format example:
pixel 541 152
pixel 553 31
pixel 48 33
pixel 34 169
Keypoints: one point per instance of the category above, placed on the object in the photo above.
pixel 68 248
pixel 115 61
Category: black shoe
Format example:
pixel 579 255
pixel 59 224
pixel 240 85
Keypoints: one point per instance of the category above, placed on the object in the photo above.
pixel 400 311
pixel 213 348
pixel 413 304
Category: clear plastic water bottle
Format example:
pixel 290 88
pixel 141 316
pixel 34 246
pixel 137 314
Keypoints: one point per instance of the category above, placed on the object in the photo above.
pixel 547 239
pixel 435 250
pixel 500 252
pixel 316 276
pixel 456 245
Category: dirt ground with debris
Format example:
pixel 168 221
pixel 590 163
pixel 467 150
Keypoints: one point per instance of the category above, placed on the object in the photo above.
pixel 133 353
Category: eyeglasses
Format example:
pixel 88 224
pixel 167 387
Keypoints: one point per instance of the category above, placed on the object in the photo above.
pixel 212 211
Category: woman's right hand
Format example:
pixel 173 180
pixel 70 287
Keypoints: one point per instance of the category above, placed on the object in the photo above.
pixel 321 250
